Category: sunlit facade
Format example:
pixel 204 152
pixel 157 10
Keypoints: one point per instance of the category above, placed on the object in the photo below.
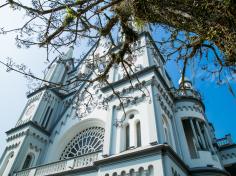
pixel 159 131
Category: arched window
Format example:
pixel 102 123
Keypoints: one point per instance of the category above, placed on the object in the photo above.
pixel 87 141
pixel 167 133
pixel 127 137
pixel 138 133
pixel 46 115
pixel 6 165
pixel 28 161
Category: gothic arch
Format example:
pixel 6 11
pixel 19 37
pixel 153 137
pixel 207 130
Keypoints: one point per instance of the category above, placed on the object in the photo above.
pixel 64 139
pixel 167 130
pixel 6 162
pixel 28 160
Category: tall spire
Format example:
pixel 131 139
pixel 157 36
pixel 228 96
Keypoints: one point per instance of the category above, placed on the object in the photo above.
pixel 69 53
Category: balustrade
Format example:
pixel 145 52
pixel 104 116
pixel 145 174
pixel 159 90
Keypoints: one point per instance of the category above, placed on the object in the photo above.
pixel 60 166
pixel 187 93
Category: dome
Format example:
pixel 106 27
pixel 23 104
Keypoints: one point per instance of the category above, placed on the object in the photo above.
pixel 186 79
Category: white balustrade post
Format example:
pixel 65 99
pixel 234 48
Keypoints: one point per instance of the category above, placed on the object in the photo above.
pixel 70 164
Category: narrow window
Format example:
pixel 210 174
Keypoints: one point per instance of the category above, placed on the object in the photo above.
pixel 191 141
pixel 127 137
pixel 138 132
pixel 49 116
pixel 5 165
pixel 45 116
pixel 166 131
pixel 166 135
pixel 27 162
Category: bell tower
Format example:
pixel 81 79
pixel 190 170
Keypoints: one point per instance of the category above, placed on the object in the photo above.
pixel 27 140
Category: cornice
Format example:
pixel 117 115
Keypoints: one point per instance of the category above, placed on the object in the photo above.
pixel 28 124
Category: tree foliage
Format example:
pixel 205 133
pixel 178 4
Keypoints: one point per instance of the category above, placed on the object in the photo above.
pixel 196 28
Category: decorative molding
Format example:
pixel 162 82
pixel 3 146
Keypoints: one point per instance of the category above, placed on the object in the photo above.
pixel 163 93
pixel 136 100
pixel 38 137
pixel 35 147
pixel 15 136
pixel 164 107
pixel 34 98
pixel 128 90
pixel 87 141
pixel 12 146
pixel 227 156
pixel 27 132
pixel 194 108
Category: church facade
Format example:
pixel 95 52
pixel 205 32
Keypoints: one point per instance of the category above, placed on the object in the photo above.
pixel 163 134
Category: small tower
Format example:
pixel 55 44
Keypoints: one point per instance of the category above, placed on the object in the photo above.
pixel 193 129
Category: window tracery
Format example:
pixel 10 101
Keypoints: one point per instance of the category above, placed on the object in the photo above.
pixel 87 141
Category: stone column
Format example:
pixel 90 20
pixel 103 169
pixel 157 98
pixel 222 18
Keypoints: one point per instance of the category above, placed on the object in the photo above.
pixel 194 133
pixel 208 137
pixel 133 135
pixel 119 142
pixel 107 148
pixel 155 120
pixel 200 133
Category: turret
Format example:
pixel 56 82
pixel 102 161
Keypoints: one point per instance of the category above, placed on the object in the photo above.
pixel 193 128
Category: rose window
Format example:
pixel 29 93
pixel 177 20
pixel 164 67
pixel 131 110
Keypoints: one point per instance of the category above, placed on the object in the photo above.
pixel 87 141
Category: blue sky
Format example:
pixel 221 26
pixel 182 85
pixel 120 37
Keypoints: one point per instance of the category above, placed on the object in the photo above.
pixel 220 104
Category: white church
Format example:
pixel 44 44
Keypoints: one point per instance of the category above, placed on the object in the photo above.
pixel 163 134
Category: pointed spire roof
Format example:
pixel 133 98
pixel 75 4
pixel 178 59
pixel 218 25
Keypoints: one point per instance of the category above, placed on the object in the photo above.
pixel 69 53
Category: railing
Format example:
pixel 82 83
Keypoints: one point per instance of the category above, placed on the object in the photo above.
pixel 60 166
pixel 52 168
pixel 225 141
pixel 24 173
pixel 187 93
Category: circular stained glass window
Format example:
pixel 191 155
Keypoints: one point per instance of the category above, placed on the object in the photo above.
pixel 87 141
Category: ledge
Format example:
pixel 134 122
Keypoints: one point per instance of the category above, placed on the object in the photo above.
pixel 212 170
pixel 146 70
pixel 161 149
pixel 31 124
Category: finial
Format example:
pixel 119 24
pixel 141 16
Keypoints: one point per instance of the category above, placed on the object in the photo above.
pixel 185 83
